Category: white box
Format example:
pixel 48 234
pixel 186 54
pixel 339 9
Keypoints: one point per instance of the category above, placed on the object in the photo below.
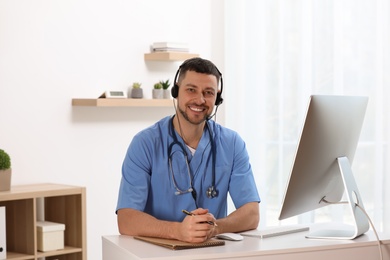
pixel 3 244
pixel 50 236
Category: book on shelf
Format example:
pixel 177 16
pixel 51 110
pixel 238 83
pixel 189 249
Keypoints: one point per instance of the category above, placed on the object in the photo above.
pixel 170 50
pixel 177 245
pixel 175 45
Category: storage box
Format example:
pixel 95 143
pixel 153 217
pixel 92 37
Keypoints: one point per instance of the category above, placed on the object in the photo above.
pixel 50 236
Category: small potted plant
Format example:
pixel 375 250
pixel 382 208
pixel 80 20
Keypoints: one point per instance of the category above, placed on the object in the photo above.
pixel 165 85
pixel 5 171
pixel 136 91
pixel 157 91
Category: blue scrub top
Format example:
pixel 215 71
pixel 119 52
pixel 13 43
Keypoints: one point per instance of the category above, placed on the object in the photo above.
pixel 147 182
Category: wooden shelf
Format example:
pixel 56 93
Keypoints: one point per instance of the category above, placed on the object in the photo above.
pixel 169 56
pixel 121 102
pixel 62 204
pixel 66 250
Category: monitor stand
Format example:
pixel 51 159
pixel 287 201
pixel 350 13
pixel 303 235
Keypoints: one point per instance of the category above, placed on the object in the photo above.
pixel 361 224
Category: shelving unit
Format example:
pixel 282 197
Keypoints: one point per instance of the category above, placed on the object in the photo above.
pixel 121 102
pixel 62 204
pixel 169 56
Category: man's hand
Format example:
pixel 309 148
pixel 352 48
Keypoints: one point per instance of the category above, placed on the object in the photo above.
pixel 195 229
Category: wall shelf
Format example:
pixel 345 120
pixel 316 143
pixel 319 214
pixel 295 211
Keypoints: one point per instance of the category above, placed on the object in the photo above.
pixel 169 56
pixel 132 102
pixel 121 102
pixel 62 204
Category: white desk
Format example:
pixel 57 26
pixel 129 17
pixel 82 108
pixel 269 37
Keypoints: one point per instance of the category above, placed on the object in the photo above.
pixel 292 246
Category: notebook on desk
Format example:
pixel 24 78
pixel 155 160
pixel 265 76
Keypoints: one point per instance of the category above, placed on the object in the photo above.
pixel 177 245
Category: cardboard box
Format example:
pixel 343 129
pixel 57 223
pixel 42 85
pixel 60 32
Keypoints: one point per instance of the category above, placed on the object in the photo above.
pixel 50 236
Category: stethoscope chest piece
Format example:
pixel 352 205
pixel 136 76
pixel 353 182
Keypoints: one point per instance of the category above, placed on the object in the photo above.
pixel 212 192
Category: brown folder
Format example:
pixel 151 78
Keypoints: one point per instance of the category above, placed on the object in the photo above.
pixel 177 245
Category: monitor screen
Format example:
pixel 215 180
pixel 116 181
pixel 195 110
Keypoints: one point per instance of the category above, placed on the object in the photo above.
pixel 331 131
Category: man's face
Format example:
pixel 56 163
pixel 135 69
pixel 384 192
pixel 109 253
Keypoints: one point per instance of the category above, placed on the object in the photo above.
pixel 197 95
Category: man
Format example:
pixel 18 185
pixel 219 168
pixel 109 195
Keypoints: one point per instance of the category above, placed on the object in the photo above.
pixel 188 162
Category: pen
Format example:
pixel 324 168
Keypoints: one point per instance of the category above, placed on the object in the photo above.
pixel 192 214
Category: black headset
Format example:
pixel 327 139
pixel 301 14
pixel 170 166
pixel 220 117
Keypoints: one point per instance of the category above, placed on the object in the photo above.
pixel 175 88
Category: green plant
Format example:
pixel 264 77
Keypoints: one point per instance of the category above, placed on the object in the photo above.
pixel 5 160
pixel 137 85
pixel 165 84
pixel 158 86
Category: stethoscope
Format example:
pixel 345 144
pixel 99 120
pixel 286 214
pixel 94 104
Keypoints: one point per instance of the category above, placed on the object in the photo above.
pixel 211 192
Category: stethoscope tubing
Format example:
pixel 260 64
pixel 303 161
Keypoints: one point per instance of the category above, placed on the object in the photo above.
pixel 180 144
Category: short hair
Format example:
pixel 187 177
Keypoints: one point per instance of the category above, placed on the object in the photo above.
pixel 198 65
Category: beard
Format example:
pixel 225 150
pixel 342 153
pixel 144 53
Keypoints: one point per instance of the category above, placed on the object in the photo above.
pixel 194 122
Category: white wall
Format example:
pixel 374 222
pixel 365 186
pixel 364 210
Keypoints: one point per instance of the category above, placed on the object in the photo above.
pixel 52 51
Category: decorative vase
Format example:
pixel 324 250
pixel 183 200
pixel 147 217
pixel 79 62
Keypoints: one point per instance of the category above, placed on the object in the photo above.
pixel 167 93
pixel 157 93
pixel 5 180
pixel 137 93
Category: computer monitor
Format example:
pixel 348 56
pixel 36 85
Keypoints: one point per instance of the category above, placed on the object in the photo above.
pixel 321 171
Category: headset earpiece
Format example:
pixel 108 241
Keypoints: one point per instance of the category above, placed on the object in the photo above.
pixel 175 90
pixel 219 99
pixel 175 87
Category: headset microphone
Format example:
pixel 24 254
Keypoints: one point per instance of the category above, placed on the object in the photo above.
pixel 212 115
